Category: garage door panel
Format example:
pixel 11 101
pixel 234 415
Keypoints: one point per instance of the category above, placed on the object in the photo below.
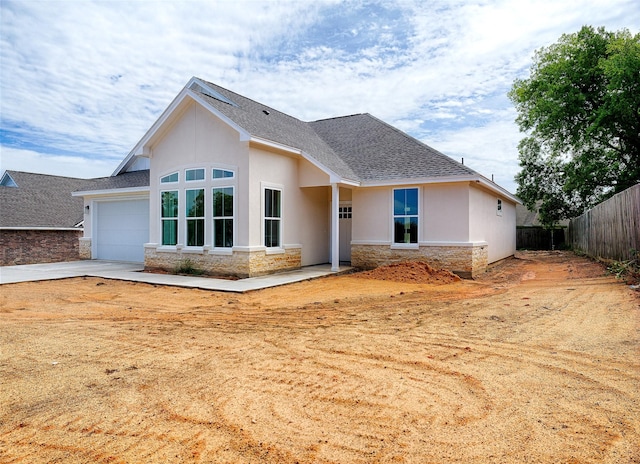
pixel 122 230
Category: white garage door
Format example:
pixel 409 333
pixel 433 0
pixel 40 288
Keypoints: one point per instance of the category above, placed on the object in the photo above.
pixel 122 230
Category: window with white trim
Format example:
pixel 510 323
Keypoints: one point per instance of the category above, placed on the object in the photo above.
pixel 499 207
pixel 272 217
pixel 169 217
pixel 405 215
pixel 171 178
pixel 194 208
pixel 223 217
pixel 194 174
pixel 222 174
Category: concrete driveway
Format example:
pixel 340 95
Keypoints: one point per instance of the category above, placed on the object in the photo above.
pixel 50 271
pixel 132 272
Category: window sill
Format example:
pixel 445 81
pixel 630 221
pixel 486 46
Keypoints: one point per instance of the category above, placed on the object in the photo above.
pixel 275 251
pixel 193 250
pixel 221 251
pixel 405 246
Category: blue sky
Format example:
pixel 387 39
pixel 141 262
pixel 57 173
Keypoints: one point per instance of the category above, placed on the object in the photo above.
pixel 82 81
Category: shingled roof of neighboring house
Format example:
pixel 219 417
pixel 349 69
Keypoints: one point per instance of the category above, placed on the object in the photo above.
pixel 29 200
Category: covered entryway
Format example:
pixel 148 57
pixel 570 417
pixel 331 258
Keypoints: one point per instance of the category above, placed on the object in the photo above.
pixel 121 229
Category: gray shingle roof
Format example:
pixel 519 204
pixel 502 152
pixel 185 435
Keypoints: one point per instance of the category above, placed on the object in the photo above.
pixel 40 200
pixel 125 180
pixel 358 147
pixel 377 151
pixel 277 127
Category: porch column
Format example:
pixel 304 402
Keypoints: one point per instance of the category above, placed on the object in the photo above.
pixel 335 232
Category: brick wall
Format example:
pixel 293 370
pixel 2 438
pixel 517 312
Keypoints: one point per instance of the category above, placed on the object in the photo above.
pixel 38 246
pixel 466 261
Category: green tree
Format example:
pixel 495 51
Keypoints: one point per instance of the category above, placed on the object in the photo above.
pixel 580 111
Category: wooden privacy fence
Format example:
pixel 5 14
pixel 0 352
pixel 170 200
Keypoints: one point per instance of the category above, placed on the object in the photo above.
pixel 611 229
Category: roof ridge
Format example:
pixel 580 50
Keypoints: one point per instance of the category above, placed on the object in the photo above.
pixel 42 174
pixel 340 117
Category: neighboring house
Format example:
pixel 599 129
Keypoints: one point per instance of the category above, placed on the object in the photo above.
pixel 531 235
pixel 40 222
pixel 240 188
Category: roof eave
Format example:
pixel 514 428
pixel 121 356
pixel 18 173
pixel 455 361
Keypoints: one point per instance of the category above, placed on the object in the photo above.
pixel 40 228
pixel 115 191
pixel 442 180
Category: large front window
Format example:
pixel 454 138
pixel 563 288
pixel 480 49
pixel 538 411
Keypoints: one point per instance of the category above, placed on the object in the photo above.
pixel 272 217
pixel 405 215
pixel 223 217
pixel 169 217
pixel 195 217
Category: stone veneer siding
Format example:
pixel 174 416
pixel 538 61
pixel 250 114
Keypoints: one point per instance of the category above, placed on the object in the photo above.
pixel 85 248
pixel 38 246
pixel 465 261
pixel 240 263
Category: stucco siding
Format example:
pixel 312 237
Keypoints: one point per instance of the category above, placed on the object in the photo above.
pixel 445 213
pixel 371 215
pixel 313 219
pixel 497 229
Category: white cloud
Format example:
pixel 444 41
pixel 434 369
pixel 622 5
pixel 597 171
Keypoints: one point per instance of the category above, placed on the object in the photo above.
pixel 16 159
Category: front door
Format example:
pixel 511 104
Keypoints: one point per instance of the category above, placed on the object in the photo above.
pixel 344 215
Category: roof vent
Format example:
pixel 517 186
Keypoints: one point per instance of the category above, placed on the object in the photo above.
pixel 7 181
pixel 210 92
pixel 265 112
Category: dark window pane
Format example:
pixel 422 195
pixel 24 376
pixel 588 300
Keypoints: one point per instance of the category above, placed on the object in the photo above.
pixel 218 202
pixel 195 203
pixel 413 230
pixel 223 233
pixel 272 233
pixel 228 201
pixel 276 203
pixel 169 204
pixel 272 203
pixel 169 232
pixel 195 232
pixel 405 230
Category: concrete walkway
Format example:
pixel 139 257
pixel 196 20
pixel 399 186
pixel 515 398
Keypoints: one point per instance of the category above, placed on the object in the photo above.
pixel 133 272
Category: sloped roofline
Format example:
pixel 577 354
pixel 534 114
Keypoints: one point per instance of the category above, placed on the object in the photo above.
pixel 245 136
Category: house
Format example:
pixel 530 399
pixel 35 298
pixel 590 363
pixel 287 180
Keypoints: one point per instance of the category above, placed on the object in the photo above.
pixel 40 222
pixel 531 235
pixel 239 188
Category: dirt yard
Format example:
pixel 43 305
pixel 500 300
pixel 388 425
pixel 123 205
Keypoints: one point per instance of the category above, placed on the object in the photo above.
pixel 537 361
